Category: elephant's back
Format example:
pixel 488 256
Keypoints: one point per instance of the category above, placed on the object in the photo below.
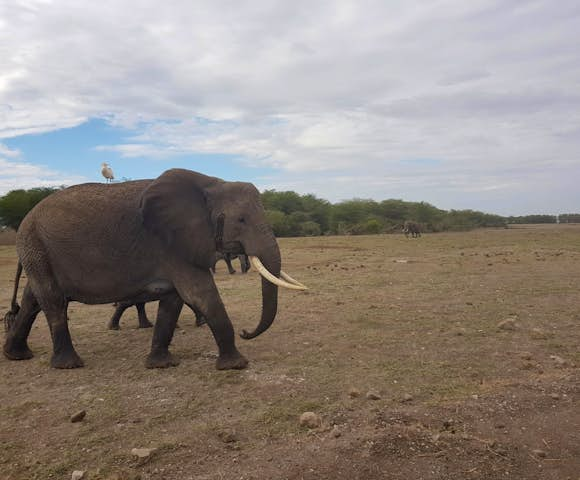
pixel 85 209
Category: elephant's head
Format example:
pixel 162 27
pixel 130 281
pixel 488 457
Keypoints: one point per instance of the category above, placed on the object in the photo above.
pixel 197 215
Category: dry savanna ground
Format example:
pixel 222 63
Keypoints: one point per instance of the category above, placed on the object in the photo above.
pixel 467 342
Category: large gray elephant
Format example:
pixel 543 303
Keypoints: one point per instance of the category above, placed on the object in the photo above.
pixel 142 241
pixel 413 228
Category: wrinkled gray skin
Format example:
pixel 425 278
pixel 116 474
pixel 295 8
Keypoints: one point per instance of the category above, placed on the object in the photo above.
pixel 413 228
pixel 142 315
pixel 228 257
pixel 140 241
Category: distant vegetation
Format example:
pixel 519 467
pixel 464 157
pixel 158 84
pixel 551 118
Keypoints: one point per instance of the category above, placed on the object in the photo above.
pixel 16 204
pixel 294 215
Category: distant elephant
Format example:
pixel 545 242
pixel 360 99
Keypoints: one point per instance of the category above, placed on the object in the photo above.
pixel 413 228
pixel 228 257
pixel 142 315
pixel 142 241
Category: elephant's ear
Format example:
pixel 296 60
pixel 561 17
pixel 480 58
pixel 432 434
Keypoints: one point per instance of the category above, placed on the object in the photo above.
pixel 175 208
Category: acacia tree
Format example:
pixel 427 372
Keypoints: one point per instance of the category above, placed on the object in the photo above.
pixel 17 203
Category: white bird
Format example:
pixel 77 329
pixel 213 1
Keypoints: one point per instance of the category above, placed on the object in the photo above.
pixel 107 172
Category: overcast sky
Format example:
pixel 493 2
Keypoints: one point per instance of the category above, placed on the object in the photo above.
pixel 463 104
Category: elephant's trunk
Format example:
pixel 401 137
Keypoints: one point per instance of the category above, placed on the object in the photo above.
pixel 270 258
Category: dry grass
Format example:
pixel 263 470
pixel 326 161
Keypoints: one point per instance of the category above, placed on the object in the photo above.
pixel 396 315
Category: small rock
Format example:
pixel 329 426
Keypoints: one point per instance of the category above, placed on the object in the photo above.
pixel 509 324
pixel 335 432
pixel 559 360
pixel 77 475
pixel 142 452
pixel 228 436
pixel 407 398
pixel 526 356
pixel 310 420
pixel 555 396
pixel 354 393
pixel 539 453
pixel 538 334
pixel 78 417
pixel 372 395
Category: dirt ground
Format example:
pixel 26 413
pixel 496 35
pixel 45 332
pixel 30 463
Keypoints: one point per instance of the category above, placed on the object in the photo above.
pixel 469 343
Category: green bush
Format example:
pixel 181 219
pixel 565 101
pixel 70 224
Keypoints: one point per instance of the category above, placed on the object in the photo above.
pixel 17 203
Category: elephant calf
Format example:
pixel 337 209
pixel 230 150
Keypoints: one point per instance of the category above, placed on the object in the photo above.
pixel 228 257
pixel 143 320
pixel 120 309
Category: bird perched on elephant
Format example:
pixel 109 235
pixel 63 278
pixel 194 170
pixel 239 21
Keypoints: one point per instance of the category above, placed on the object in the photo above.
pixel 142 241
pixel 228 257
pixel 413 228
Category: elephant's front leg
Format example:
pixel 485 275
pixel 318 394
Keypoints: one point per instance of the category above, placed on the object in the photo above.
pixel 200 293
pixel 167 315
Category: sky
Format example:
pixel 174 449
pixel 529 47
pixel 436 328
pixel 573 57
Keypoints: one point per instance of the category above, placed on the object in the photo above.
pixel 460 104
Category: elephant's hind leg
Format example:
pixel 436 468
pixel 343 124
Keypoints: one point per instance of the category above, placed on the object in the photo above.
pixel 54 305
pixel 16 345
pixel 64 354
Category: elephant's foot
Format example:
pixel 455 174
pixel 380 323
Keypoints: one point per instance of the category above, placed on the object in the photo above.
pixel 67 359
pixel 145 324
pixel 113 326
pixel 17 350
pixel 161 359
pixel 232 361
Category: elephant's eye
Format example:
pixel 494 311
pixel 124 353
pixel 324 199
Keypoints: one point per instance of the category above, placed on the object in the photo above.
pixel 242 220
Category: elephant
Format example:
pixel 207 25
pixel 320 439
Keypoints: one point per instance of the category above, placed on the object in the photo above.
pixel 413 228
pixel 120 309
pixel 142 241
pixel 199 319
pixel 228 257
pixel 142 315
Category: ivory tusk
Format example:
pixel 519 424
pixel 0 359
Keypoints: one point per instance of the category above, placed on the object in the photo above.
pixel 289 279
pixel 257 264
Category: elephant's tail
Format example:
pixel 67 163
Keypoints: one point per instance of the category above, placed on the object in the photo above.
pixel 10 317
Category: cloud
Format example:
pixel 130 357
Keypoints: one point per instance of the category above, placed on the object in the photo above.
pixel 15 175
pixel 345 89
pixel 8 152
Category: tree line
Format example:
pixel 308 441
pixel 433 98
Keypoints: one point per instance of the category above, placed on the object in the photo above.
pixel 293 215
